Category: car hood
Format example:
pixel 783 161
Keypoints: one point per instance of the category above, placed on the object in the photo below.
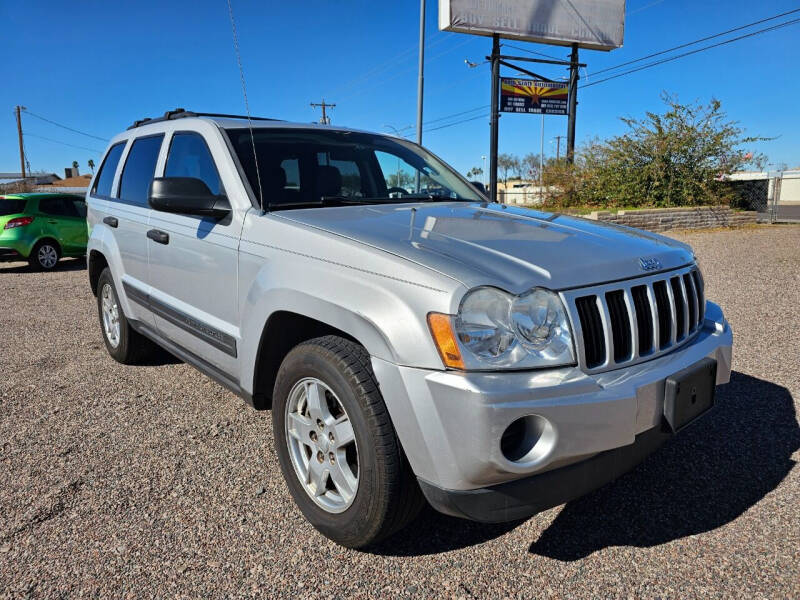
pixel 509 247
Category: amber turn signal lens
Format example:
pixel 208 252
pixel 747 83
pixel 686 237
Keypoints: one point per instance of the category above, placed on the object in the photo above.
pixel 445 340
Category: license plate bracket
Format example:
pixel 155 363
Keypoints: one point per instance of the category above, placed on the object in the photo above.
pixel 689 393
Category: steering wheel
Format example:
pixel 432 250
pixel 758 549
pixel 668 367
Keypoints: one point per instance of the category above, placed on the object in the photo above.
pixel 397 190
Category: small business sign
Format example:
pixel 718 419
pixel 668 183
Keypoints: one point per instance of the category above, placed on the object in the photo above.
pixel 533 97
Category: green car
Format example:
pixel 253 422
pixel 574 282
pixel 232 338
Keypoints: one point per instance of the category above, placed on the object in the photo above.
pixel 41 228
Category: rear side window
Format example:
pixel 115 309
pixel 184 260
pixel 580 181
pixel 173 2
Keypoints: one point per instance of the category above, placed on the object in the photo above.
pixel 80 206
pixel 58 207
pixel 11 206
pixel 139 169
pixel 102 185
pixel 189 156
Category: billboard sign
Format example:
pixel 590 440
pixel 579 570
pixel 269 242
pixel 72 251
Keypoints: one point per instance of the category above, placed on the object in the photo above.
pixel 533 97
pixel 592 24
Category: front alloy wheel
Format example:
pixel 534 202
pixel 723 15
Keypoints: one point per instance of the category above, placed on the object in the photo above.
pixel 321 444
pixel 338 451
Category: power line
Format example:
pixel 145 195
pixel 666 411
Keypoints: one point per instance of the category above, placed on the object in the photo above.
pixel 684 54
pixel 656 63
pixel 705 39
pixel 45 119
pixel 482 116
pixel 62 143
pixel 531 51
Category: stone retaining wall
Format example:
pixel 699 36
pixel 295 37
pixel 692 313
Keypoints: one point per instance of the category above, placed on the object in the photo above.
pixel 662 219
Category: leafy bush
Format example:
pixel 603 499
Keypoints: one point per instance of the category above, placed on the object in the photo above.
pixel 672 159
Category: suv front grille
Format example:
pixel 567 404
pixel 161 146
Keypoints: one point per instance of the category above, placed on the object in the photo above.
pixel 625 323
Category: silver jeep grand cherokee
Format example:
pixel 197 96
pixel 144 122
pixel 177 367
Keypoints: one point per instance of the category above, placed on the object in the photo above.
pixel 414 341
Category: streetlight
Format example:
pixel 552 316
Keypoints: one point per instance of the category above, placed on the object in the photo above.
pixel 483 157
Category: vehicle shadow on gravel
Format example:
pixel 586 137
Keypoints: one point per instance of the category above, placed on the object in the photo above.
pixel 433 533
pixel 701 479
pixel 65 264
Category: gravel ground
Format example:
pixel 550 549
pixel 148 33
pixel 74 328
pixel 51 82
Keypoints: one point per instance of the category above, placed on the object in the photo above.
pixel 153 481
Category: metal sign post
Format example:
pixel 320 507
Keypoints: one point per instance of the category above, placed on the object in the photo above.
pixel 574 65
pixel 495 60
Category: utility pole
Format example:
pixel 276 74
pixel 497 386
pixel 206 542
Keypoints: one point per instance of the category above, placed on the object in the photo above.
pixel 18 110
pixel 558 146
pixel 573 103
pixel 325 120
pixel 495 120
pixel 420 80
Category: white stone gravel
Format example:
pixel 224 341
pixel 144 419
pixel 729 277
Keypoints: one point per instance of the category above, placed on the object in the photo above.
pixel 152 481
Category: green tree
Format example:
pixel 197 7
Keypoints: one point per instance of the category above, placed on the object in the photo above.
pixel 74 164
pixel 475 172
pixel 670 159
pixel 507 163
pixel 530 165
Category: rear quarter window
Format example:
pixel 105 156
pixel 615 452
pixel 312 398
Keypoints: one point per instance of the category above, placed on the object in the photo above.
pixel 105 177
pixel 12 206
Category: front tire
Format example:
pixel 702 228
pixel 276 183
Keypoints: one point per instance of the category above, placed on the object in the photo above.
pixel 337 448
pixel 123 343
pixel 44 256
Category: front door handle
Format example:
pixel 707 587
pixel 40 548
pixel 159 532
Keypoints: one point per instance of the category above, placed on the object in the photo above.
pixel 158 236
pixel 111 221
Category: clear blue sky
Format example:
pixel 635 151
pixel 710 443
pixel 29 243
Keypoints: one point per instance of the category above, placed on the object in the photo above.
pixel 98 65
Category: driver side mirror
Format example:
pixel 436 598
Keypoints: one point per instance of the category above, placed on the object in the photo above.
pixel 188 196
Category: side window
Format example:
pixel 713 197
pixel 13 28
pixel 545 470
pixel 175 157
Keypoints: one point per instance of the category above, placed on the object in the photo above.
pixel 58 207
pixel 102 185
pixel 189 156
pixel 139 169
pixel 80 208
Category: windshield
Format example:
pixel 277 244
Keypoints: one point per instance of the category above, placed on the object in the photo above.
pixel 301 168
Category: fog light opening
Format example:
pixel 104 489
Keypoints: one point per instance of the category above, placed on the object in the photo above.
pixel 527 440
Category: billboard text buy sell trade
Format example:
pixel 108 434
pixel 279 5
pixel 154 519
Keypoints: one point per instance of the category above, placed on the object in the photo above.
pixel 530 96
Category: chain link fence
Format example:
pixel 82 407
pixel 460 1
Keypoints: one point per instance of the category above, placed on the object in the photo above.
pixel 775 196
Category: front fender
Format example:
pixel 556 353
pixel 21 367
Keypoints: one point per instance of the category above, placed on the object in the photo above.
pixel 384 315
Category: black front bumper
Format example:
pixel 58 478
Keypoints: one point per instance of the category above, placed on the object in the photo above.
pixel 522 498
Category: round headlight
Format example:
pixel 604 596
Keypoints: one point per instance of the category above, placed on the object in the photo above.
pixel 540 323
pixel 483 323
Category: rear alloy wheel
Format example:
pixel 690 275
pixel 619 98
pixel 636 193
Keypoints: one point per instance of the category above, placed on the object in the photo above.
pixel 44 256
pixel 336 445
pixel 123 343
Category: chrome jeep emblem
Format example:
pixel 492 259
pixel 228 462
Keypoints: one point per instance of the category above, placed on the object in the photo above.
pixel 650 264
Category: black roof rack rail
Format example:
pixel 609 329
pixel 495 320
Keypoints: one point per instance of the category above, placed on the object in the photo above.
pixel 181 113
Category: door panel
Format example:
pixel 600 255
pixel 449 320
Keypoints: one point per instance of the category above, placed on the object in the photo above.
pixel 193 264
pixel 194 285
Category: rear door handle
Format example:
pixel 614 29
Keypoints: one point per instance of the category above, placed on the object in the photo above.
pixel 111 221
pixel 158 236
pixel 53 222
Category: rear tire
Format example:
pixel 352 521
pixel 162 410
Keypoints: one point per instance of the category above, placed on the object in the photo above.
pixel 384 496
pixel 123 343
pixel 44 256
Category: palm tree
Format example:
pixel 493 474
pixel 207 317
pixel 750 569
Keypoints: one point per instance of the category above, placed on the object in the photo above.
pixel 74 164
pixel 91 165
